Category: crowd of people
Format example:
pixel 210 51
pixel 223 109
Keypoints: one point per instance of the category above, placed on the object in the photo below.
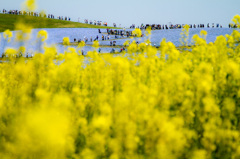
pixel 118 34
pixel 232 25
pixel 107 37
pixel 28 55
pixel 50 16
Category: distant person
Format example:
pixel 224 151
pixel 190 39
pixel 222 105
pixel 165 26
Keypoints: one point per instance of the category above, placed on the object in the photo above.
pixel 96 38
pixel 99 50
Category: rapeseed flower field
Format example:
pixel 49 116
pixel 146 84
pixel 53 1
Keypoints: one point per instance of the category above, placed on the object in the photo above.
pixel 149 103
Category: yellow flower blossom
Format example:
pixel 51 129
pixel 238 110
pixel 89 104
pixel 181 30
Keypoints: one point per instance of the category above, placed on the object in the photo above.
pixel 172 102
pixel 42 34
pixel 126 43
pixel 203 33
pixel 95 44
pixel 185 35
pixel 148 31
pixel 30 5
pixel 236 20
pixel 7 34
pixel 137 32
pixel 11 52
pixel 23 31
pixel 81 44
pixel 22 50
pixel 66 41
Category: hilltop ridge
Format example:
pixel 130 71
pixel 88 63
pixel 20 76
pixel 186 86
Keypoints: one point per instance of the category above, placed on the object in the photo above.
pixel 8 21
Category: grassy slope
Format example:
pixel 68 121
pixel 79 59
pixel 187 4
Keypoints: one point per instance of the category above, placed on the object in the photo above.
pixel 8 22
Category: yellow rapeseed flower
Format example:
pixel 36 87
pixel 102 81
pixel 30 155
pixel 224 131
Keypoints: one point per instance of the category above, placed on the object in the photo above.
pixel 133 105
pixel 22 50
pixel 126 43
pixel 30 5
pixel 137 32
pixel 71 50
pixel 81 44
pixel 203 33
pixel 11 52
pixel 236 20
pixel 7 34
pixel 95 44
pixel 43 35
pixel 66 41
pixel 148 30
pixel 23 31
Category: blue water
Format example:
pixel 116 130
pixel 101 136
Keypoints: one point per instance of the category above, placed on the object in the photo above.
pixel 55 37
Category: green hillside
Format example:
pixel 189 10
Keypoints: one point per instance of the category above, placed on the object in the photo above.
pixel 8 21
